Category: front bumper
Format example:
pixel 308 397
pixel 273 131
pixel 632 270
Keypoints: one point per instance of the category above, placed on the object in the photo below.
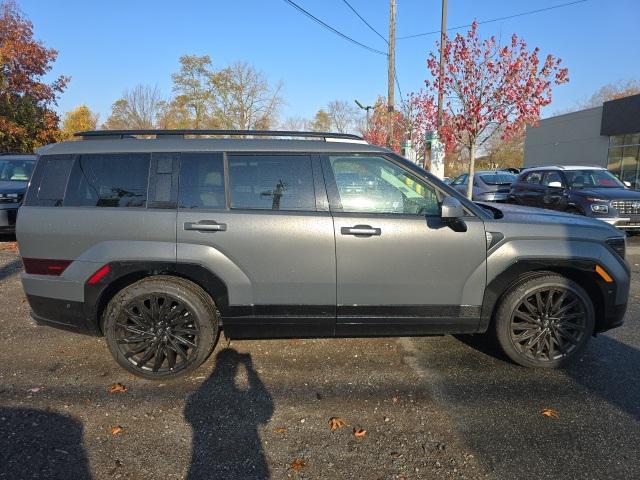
pixel 623 223
pixel 8 219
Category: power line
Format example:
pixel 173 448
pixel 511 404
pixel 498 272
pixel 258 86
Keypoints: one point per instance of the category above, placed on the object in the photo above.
pixel 330 28
pixel 496 19
pixel 365 22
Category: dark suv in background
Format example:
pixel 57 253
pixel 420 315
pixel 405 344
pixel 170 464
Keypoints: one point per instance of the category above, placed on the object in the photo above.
pixel 15 171
pixel 590 191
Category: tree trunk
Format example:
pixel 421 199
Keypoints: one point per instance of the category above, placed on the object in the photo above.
pixel 472 164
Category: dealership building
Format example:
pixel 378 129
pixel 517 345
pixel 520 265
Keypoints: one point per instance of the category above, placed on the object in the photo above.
pixel 606 136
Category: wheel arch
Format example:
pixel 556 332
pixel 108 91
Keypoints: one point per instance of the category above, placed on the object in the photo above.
pixel 123 274
pixel 580 271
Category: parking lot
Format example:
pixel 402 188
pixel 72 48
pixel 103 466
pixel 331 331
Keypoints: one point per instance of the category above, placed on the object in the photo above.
pixel 437 407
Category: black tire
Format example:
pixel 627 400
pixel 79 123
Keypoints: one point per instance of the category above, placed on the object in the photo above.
pixel 161 327
pixel 535 330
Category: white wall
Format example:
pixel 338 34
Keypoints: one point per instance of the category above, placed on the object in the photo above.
pixel 570 139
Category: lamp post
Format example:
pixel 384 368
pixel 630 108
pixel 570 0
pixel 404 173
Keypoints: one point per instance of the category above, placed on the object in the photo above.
pixel 366 109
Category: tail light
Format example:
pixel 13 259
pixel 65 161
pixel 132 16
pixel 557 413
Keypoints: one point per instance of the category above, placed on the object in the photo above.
pixel 45 266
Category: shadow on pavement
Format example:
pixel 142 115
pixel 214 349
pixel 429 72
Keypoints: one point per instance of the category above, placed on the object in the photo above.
pixel 9 269
pixel 225 418
pixel 39 444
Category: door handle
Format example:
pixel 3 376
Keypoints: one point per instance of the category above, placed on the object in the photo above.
pixel 360 230
pixel 206 226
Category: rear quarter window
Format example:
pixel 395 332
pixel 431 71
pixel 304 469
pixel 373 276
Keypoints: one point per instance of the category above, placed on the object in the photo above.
pixel 49 181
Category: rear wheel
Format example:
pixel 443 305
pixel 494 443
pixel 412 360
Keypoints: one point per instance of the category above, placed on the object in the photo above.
pixel 161 327
pixel 545 321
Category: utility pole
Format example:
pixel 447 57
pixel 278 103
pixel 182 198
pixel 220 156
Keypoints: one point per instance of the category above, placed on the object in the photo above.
pixel 391 58
pixel 437 147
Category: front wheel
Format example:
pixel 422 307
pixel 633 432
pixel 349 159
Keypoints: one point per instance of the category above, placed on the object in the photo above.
pixel 545 321
pixel 161 327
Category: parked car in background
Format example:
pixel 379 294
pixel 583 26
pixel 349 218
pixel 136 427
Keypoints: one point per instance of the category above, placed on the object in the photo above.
pixel 15 172
pixel 590 191
pixel 488 186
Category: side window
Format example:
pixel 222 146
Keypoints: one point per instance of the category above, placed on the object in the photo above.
pixel 533 178
pixel 461 180
pixel 49 181
pixel 271 182
pixel 201 181
pixel 376 185
pixel 551 177
pixel 109 180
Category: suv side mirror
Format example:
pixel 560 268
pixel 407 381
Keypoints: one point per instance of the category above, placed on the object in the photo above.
pixel 555 184
pixel 451 209
pixel 627 184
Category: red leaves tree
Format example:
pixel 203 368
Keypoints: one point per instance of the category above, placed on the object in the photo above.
pixel 488 89
pixel 26 116
pixel 375 132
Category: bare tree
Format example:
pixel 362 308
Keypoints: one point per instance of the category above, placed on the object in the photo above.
pixel 295 124
pixel 244 99
pixel 138 108
pixel 343 116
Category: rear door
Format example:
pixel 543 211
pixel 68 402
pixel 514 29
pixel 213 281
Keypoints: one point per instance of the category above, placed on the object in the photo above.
pixel 554 197
pixel 400 269
pixel 265 229
pixel 530 190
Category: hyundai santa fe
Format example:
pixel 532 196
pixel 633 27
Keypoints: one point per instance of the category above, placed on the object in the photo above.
pixel 160 240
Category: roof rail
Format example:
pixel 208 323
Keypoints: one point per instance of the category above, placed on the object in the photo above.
pixel 119 134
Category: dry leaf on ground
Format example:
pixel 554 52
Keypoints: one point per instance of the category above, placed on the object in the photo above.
pixel 11 246
pixel 549 412
pixel 280 430
pixel 35 389
pixel 359 432
pixel 297 464
pixel 336 423
pixel 116 430
pixel 117 388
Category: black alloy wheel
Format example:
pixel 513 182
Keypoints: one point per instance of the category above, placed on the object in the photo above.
pixel 544 321
pixel 161 327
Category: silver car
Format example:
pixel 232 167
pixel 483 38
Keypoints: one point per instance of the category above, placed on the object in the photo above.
pixel 160 240
pixel 488 186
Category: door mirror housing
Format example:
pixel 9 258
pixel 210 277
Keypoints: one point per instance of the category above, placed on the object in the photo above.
pixel 555 184
pixel 627 184
pixel 452 209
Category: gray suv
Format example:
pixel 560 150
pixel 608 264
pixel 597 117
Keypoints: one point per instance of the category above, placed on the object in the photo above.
pixel 159 240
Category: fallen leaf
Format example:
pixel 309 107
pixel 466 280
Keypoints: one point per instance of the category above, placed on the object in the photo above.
pixel 116 430
pixel 35 389
pixel 297 464
pixel 117 388
pixel 394 400
pixel 359 432
pixel 336 423
pixel 280 430
pixel 549 412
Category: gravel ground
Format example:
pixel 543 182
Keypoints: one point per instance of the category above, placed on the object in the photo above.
pixel 431 408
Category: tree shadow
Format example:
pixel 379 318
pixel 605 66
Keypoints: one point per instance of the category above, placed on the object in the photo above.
pixel 39 444
pixel 225 418
pixel 9 269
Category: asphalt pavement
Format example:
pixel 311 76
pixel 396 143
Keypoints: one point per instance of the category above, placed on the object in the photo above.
pixel 440 407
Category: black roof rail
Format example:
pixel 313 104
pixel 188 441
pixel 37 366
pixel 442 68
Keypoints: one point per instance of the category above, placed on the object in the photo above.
pixel 119 134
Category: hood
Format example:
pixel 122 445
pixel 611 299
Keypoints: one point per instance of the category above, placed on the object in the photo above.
pixel 13 187
pixel 608 193
pixel 530 216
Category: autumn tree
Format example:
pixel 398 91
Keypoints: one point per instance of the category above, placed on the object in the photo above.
pixel 343 116
pixel 27 118
pixel 194 86
pixel 138 108
pixel 376 130
pixel 489 89
pixel 611 91
pixel 78 120
pixel 321 121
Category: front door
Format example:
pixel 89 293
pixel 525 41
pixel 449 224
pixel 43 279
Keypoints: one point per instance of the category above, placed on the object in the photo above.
pixel 400 268
pixel 266 236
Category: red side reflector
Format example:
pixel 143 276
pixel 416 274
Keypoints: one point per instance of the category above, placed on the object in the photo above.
pixel 99 275
pixel 44 266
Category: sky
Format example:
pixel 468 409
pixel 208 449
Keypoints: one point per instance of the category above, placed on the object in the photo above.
pixel 107 47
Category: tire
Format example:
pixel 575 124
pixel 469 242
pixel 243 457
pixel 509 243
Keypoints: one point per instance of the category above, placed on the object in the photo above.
pixel 161 327
pixel 534 333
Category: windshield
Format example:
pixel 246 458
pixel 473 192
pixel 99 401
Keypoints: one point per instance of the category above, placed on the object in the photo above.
pixel 498 178
pixel 15 170
pixel 591 179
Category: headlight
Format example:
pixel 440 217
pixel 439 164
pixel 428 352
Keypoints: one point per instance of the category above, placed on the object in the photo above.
pixel 599 208
pixel 618 245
